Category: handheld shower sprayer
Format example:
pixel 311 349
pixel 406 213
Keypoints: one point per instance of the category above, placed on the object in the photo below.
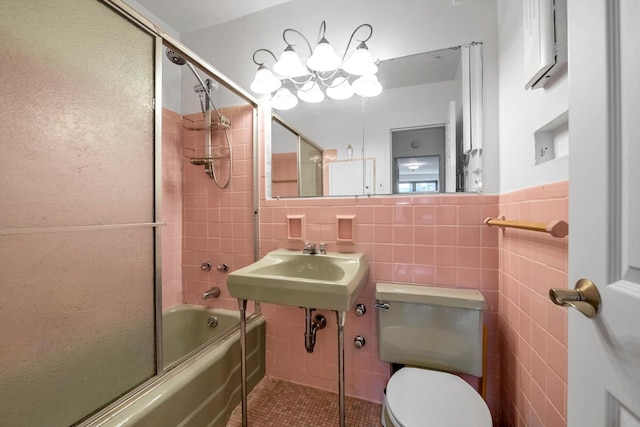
pixel 204 89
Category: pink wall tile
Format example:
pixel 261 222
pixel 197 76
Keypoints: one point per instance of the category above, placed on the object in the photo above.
pixel 446 215
pixel 217 223
pixel 533 331
pixel 414 240
pixel 435 240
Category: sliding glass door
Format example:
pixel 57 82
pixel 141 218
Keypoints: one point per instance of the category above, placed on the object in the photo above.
pixel 77 245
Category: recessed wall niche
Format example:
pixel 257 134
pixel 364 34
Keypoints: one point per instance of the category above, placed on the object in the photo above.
pixel 552 139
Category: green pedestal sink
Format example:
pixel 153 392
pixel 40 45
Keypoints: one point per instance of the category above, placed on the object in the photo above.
pixel 330 281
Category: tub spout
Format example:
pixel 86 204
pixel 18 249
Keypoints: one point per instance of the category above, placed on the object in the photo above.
pixel 211 293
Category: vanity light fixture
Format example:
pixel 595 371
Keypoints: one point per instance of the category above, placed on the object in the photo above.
pixel 340 77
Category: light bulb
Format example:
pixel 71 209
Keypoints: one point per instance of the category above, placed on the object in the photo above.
pixel 324 58
pixel 265 81
pixel 289 64
pixel 340 89
pixel 283 99
pixel 310 92
pixel 361 62
pixel 367 86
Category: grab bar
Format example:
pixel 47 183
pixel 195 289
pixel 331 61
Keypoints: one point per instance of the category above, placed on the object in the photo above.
pixel 556 228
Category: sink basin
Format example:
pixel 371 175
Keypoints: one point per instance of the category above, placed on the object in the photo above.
pixel 330 281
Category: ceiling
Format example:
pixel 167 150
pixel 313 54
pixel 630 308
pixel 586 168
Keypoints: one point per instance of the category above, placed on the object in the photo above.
pixel 185 16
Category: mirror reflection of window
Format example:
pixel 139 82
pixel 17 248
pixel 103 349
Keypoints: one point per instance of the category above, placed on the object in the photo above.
pixel 418 155
pixel 418 174
pixel 422 187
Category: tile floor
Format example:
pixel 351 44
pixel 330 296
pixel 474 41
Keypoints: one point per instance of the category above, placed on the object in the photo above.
pixel 277 403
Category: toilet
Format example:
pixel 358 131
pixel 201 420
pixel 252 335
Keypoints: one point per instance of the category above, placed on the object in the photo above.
pixel 434 332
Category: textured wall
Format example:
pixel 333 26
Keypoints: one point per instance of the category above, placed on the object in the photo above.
pixel 171 208
pixel 76 203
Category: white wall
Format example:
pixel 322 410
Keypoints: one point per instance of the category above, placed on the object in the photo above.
pixel 521 111
pixel 401 27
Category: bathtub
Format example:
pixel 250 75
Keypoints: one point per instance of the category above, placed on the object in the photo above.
pixel 204 388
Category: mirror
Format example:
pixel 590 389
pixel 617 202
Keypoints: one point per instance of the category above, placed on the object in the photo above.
pixel 424 132
pixel 296 163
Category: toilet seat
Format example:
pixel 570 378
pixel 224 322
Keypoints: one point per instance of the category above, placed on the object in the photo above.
pixel 419 397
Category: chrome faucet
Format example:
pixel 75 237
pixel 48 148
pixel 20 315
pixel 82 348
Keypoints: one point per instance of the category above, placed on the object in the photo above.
pixel 211 293
pixel 309 248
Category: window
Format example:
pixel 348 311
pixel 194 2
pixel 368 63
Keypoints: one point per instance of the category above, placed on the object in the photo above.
pixel 418 186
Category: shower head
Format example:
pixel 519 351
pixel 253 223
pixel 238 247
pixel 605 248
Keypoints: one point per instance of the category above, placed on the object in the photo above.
pixel 175 58
pixel 203 89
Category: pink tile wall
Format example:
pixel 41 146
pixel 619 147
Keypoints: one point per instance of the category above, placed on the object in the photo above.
pixel 433 240
pixel 171 208
pixel 284 174
pixel 217 223
pixel 533 331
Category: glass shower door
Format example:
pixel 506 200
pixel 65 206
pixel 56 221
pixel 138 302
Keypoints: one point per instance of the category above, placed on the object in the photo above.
pixel 77 250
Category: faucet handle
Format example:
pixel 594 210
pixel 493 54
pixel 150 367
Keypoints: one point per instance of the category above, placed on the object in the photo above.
pixel 323 248
pixel 309 248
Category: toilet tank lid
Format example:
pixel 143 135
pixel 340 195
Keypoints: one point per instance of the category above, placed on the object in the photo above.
pixel 424 294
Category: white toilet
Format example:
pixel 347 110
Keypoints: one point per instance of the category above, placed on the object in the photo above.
pixel 431 330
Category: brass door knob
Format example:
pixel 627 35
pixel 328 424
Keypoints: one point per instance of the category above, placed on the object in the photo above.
pixel 585 297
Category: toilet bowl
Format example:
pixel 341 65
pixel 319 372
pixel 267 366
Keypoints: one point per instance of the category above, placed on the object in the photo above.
pixel 438 332
pixel 422 398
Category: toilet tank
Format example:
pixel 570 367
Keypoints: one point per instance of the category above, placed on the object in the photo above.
pixel 431 327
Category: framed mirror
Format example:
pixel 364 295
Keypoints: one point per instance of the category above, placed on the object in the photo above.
pixel 430 109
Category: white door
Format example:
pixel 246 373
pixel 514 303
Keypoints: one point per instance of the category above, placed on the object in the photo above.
pixel 349 178
pixel 604 210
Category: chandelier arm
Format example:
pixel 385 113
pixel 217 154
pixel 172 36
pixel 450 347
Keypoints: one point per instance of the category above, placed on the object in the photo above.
pixel 284 37
pixel 324 79
pixel 361 41
pixel 263 62
pixel 322 31
pixel 297 83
